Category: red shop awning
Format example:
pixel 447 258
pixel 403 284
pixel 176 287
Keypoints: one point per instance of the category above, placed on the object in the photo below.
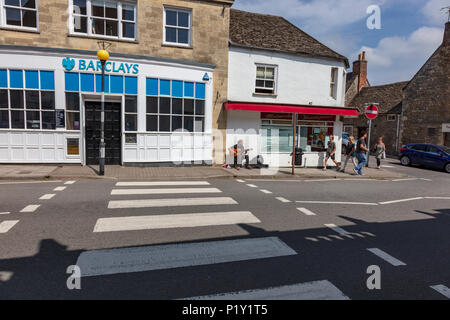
pixel 291 108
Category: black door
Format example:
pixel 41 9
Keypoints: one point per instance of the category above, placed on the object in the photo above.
pixel 113 141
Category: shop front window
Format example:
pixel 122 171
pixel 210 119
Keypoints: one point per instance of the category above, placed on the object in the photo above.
pixel 276 139
pixel 315 138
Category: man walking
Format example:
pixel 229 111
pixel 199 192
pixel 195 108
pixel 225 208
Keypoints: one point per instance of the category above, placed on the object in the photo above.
pixel 361 149
pixel 331 153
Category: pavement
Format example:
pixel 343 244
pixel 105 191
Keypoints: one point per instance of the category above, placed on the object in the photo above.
pixel 238 238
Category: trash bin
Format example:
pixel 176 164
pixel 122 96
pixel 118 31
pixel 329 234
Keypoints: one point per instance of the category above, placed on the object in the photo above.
pixel 298 156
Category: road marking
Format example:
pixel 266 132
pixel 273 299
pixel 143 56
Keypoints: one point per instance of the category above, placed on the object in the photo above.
pixel 306 211
pixel 336 202
pixel 5 226
pixel 59 189
pixel 161 257
pixel 316 290
pixel 164 191
pixel 266 191
pixel 47 196
pixel 69 182
pixel 4 213
pixel 384 166
pixel 438 198
pixel 337 229
pixel 30 208
pixel 252 186
pixel 407 179
pixel 161 183
pixel 442 290
pixel 401 200
pixel 174 221
pixel 387 257
pixel 239 180
pixel 284 200
pixel 5 275
pixel 28 182
pixel 148 203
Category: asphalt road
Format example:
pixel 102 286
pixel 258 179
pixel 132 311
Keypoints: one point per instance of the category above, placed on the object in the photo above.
pixel 243 238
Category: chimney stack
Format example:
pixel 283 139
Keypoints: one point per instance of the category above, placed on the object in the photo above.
pixel 360 69
pixel 446 41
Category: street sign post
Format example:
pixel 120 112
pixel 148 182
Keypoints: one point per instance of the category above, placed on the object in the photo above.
pixel 371 114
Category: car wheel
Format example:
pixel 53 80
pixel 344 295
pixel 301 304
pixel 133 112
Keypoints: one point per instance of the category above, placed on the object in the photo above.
pixel 447 167
pixel 406 161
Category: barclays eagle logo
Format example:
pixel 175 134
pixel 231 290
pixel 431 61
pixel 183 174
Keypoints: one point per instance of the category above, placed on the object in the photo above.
pixel 68 63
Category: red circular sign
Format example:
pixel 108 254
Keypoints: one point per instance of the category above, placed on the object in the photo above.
pixel 371 111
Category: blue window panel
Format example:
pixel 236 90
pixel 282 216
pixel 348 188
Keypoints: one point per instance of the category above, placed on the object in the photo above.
pixel 3 79
pixel 72 81
pixel 152 87
pixel 130 85
pixel 32 79
pixel 199 91
pixel 87 82
pixel 16 79
pixel 47 80
pixel 164 87
pixel 177 89
pixel 189 89
pixel 116 84
pixel 98 83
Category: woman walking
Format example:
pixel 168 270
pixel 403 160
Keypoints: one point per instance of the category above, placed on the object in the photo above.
pixel 380 149
pixel 350 152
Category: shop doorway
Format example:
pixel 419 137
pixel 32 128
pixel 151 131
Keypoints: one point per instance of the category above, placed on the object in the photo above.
pixel 113 132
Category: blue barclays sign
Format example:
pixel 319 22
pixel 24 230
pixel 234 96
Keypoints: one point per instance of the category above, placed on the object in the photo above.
pixel 96 66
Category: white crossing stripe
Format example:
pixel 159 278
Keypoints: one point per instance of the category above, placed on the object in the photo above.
pixel 5 226
pixel 161 183
pixel 148 203
pixel 5 213
pixel 59 189
pixel 47 196
pixel 337 229
pixel 401 200
pixel 442 290
pixel 337 202
pixel 252 186
pixel 189 220
pixel 164 191
pixel 306 211
pixel 383 255
pixel 266 191
pixel 284 200
pixel 160 257
pixel 30 208
pixel 316 290
pixel 69 182
pixel 240 180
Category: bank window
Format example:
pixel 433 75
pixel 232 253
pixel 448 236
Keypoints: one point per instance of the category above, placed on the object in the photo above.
pixel 265 79
pixel 175 106
pixel 177 26
pixel 100 18
pixel 130 113
pixel 19 14
pixel 333 83
pixel 72 111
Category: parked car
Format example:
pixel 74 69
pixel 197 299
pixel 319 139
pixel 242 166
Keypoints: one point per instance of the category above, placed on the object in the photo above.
pixel 427 155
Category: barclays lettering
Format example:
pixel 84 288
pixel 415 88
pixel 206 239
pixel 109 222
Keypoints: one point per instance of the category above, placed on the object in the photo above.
pixel 96 66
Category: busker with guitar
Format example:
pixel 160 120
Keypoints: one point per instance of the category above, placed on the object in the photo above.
pixel 238 151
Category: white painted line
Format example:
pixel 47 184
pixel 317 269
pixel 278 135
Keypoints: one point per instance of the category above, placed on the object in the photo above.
pixel 401 200
pixel 59 189
pixel 407 179
pixel 321 180
pixel 5 275
pixel 5 213
pixel 174 221
pixel 284 200
pixel 164 191
pixel 30 208
pixel 69 182
pixel 29 182
pixel 383 255
pixel 317 290
pixel 240 180
pixel 160 257
pixel 385 166
pixel 438 198
pixel 47 196
pixel 337 229
pixel 306 211
pixel 5 226
pixel 161 183
pixel 148 203
pixel 442 290
pixel 266 191
pixel 252 186
pixel 336 202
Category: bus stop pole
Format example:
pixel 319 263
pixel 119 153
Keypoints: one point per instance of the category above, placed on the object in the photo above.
pixel 294 129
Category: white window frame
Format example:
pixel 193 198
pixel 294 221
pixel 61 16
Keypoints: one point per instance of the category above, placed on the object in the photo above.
pixel 189 28
pixel 334 84
pixel 3 24
pixel 391 117
pixel 89 17
pixel 275 79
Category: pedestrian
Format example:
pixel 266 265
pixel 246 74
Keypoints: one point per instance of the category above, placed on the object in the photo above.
pixel 380 149
pixel 361 149
pixel 331 153
pixel 350 152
